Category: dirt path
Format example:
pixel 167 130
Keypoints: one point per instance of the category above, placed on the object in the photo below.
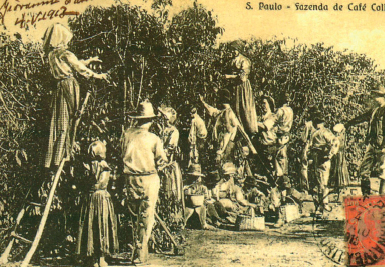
pixel 292 245
pixel 295 244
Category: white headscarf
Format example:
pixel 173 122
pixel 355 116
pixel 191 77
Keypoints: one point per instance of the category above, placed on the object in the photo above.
pixel 170 113
pixel 56 36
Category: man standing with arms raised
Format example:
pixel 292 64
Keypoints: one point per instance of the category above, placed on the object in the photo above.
pixel 225 129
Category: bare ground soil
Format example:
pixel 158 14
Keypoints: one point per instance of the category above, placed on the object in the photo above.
pixel 295 244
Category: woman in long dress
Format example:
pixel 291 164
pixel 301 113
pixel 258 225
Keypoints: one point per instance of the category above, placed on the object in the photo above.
pixel 339 174
pixel 245 102
pixel 170 138
pixel 97 235
pixel 66 97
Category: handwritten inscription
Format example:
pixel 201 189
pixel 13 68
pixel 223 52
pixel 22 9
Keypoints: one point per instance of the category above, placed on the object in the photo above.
pixel 30 13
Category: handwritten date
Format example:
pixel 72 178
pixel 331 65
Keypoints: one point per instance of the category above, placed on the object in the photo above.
pixel 25 20
pixel 28 14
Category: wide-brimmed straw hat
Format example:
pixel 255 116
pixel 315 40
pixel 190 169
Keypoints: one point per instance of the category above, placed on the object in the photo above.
pixel 144 111
pixel 229 168
pixel 195 170
pixel 169 113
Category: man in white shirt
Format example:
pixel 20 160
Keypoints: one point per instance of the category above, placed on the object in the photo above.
pixel 323 146
pixel 197 136
pixel 142 154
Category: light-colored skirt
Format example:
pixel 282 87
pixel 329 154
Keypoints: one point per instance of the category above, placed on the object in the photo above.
pixel 245 107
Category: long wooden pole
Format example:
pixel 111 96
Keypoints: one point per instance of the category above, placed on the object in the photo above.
pixel 164 226
pixel 253 150
pixel 248 141
pixel 40 230
pixel 7 251
pixel 76 124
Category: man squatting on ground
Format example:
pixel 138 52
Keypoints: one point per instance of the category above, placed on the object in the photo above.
pixel 228 194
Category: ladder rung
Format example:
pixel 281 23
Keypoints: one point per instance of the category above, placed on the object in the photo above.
pixel 13 234
pixel 36 204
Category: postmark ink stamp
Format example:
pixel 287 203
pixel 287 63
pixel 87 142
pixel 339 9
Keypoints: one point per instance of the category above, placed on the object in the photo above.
pixel 365 230
pixel 328 233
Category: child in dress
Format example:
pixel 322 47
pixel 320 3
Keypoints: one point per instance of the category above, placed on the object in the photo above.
pixel 97 226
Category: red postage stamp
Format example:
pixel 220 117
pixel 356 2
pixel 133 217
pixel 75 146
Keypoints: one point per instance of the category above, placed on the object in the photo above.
pixel 365 230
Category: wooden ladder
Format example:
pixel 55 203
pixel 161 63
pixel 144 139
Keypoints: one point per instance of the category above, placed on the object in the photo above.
pixel 39 233
pixel 47 207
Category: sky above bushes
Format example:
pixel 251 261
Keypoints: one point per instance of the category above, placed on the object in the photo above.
pixel 358 31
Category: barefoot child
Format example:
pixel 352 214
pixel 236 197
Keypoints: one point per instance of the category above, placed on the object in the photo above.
pixel 97 226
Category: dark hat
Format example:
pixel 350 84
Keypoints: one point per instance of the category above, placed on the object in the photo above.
pixel 310 112
pixel 195 170
pixel 379 90
pixel 269 100
pixel 144 111
pixel 224 96
pixel 318 118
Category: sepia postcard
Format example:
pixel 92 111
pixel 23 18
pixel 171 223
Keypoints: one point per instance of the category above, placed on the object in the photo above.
pixel 192 133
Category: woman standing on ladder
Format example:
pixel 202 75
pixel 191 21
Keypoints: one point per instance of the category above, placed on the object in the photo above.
pixel 245 103
pixel 66 97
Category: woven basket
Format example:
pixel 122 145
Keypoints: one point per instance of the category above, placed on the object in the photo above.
pixel 250 222
pixel 290 212
pixel 196 200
